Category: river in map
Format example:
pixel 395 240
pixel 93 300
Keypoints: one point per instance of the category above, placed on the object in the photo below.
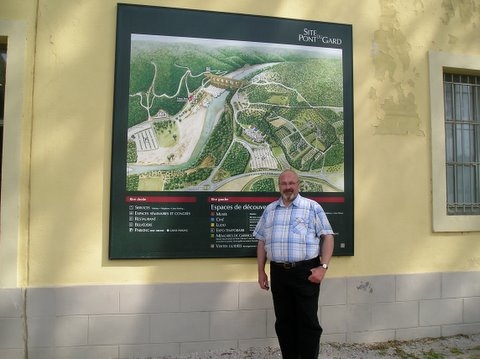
pixel 214 110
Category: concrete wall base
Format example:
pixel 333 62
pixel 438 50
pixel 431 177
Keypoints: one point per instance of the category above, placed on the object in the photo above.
pixel 141 321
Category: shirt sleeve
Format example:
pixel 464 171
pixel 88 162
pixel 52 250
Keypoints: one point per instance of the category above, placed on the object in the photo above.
pixel 322 223
pixel 258 232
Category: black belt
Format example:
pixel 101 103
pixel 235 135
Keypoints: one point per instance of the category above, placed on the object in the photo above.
pixel 290 265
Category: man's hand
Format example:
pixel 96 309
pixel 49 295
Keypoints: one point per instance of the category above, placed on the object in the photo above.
pixel 261 260
pixel 317 274
pixel 327 251
pixel 263 280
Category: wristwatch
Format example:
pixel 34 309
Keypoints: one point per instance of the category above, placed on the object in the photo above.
pixel 324 265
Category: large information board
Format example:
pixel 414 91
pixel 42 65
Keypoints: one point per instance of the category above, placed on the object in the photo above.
pixel 209 108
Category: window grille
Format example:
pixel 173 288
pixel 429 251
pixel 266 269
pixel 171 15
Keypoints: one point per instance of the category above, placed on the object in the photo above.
pixel 462 143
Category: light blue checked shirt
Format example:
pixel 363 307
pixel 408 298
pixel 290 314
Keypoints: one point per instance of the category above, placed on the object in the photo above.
pixel 292 234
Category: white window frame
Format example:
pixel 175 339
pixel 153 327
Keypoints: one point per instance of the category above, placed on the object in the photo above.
pixel 440 62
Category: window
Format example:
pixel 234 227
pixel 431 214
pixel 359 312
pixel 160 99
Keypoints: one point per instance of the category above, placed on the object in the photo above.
pixel 3 68
pixel 455 123
pixel 462 135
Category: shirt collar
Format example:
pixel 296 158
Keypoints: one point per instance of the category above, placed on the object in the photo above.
pixel 294 203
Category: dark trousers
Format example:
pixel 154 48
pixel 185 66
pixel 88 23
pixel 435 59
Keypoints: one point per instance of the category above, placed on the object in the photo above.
pixel 295 301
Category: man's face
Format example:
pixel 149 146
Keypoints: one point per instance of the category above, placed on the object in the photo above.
pixel 288 183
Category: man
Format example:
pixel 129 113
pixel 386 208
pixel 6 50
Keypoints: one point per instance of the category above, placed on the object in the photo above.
pixel 294 233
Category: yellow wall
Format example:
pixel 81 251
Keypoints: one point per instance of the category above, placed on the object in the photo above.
pixel 66 127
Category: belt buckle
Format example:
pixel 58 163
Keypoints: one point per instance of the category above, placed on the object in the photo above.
pixel 288 265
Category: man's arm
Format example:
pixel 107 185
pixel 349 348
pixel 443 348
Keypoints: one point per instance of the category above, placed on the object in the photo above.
pixel 318 273
pixel 327 248
pixel 261 260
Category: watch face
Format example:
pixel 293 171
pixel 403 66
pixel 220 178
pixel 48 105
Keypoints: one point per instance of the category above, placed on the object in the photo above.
pixel 325 266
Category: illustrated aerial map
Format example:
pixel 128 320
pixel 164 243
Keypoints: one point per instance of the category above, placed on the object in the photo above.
pixel 222 115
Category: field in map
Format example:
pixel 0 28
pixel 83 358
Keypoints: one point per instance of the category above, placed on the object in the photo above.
pixel 211 115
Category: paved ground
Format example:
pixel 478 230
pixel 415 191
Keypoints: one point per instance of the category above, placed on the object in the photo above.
pixel 456 347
